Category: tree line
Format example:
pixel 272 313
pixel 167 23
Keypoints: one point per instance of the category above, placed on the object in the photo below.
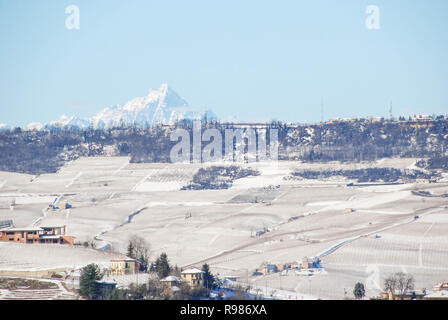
pixel 44 151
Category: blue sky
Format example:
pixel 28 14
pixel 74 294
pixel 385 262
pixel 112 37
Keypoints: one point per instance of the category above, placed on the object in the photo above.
pixel 256 60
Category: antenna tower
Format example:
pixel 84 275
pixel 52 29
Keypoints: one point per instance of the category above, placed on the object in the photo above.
pixel 390 111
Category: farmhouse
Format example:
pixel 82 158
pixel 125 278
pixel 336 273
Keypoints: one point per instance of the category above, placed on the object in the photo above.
pixel 54 235
pixel 123 266
pixel 271 268
pixel 171 282
pixel 193 277
pixel 306 263
pixel 442 286
pixel 65 206
pixel 411 295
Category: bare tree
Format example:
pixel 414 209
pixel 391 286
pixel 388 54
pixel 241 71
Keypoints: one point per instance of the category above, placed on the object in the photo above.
pixel 92 243
pixel 405 283
pixel 399 284
pixel 139 249
pixel 390 284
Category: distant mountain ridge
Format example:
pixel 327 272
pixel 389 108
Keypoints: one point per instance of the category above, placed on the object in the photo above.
pixel 159 106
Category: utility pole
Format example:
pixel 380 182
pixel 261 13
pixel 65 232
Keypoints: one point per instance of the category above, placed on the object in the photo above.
pixel 321 110
pixel 280 281
pixel 390 112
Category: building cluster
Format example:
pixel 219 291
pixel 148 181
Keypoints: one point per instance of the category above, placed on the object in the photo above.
pixel 439 292
pixel 63 206
pixel 414 118
pixel 305 264
pixel 422 117
pixel 53 235
pixel 127 266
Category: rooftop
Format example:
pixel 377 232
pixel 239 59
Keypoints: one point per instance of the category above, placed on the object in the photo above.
pixel 171 279
pixel 124 259
pixel 41 228
pixel 52 227
pixel 192 270
pixel 25 229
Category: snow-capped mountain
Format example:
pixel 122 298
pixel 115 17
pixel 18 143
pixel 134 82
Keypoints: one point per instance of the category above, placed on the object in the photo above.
pixel 5 127
pixel 34 126
pixel 67 122
pixel 161 106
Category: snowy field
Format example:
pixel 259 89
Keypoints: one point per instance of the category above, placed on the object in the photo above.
pixel 24 257
pixel 112 200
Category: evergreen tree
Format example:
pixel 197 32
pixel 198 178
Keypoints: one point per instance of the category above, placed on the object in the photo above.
pixel 359 291
pixel 139 249
pixel 162 266
pixel 209 279
pixel 88 287
pixel 130 252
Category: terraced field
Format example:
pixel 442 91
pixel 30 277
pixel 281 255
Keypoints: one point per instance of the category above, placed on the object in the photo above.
pixel 260 219
pixel 55 290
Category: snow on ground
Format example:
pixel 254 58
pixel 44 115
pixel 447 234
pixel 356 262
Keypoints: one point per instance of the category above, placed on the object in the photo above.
pixel 34 199
pixel 323 203
pixel 387 188
pixel 113 199
pixel 158 186
pixel 25 257
pixel 124 281
pixel 436 218
pixel 59 293
pixel 183 204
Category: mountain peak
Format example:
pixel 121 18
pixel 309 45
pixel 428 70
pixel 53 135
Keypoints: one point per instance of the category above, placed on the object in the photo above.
pixel 160 106
pixel 65 121
pixel 164 87
pixel 166 97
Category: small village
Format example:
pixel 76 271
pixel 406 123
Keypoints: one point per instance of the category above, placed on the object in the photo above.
pixel 123 279
pixel 135 277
